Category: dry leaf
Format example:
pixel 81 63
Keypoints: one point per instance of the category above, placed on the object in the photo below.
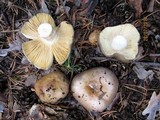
pixel 88 6
pixel 153 106
pixel 15 45
pixel 0 116
pixel 3 98
pixel 142 73
pixel 16 107
pixel 44 7
pixel 137 5
pixel 45 72
pixel 50 110
pixel 1 107
pixel 93 37
pixel 77 2
pixel 3 52
pixel 24 61
pixel 61 9
pixel 151 6
pixel 140 53
pixel 114 101
pixel 36 113
pixel 31 80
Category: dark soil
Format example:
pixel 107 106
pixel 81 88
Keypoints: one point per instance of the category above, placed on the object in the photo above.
pixel 85 17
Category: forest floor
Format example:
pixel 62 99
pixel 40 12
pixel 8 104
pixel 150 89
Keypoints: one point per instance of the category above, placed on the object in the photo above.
pixel 138 79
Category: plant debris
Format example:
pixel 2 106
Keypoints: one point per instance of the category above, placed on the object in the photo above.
pixel 16 45
pixel 142 73
pixel 153 106
pixel 36 113
pixel 138 80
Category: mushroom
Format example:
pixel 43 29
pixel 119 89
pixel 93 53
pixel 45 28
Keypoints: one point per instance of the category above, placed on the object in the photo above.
pixel 47 40
pixel 95 88
pixel 52 87
pixel 120 41
pixel 93 37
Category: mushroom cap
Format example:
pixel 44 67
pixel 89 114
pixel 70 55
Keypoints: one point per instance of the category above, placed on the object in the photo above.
pixel 48 40
pixel 38 53
pixel 120 41
pixel 61 49
pixel 52 87
pixel 30 28
pixel 95 88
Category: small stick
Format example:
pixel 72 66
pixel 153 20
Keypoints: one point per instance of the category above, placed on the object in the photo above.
pixel 154 55
pixel 150 64
pixel 9 31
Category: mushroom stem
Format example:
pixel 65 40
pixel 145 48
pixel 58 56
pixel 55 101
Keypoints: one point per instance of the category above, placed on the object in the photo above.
pixel 47 33
pixel 44 29
pixel 119 42
pixel 52 38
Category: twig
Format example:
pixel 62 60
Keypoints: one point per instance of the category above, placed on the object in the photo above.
pixel 103 59
pixel 148 64
pixel 7 31
pixel 13 21
pixel 154 55
pixel 140 87
pixel 63 4
pixel 153 13
pixel 57 2
pixel 157 1
pixel 128 87
pixel 107 113
pixel 20 8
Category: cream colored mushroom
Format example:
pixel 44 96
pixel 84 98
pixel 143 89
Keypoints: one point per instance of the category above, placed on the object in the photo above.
pixel 120 41
pixel 95 88
pixel 52 87
pixel 47 40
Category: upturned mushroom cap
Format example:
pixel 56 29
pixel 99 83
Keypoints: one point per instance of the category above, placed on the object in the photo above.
pixel 95 89
pixel 30 28
pixel 120 41
pixel 52 87
pixel 48 40
pixel 39 54
pixel 61 49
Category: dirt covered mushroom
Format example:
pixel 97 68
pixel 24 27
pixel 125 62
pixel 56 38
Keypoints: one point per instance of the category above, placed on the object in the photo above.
pixel 95 88
pixel 120 41
pixel 47 40
pixel 52 87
